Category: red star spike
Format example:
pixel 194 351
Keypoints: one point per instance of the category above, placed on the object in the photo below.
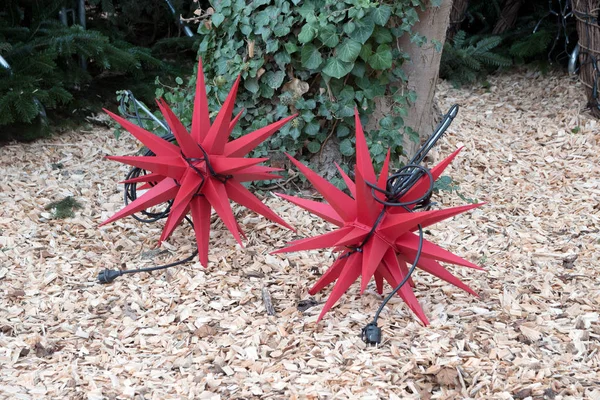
pixel 370 248
pixel 203 172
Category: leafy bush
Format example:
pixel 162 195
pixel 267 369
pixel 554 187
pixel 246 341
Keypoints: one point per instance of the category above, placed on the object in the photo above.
pixel 541 35
pixel 44 56
pixel 320 59
pixel 466 59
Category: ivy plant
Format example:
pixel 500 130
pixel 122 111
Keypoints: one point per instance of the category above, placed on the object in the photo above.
pixel 318 58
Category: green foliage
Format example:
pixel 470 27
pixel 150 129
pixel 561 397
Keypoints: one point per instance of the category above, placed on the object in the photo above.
pixel 466 59
pixel 319 59
pixel 531 45
pixel 539 32
pixel 539 36
pixel 46 71
pixel 64 208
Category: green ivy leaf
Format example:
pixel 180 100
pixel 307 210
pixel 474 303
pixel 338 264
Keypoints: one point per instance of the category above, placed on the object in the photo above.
pixel 246 30
pixel 377 149
pixel 386 122
pixel 251 85
pixel 274 79
pixel 364 29
pixel 179 81
pixel 282 58
pixel 337 68
pixel 313 147
pixel 262 19
pixel 291 47
pixel 382 58
pixel 366 51
pixel 381 14
pixel 382 35
pixel 281 30
pixel 307 115
pixel 349 27
pixel 312 128
pixel 307 33
pixel 349 50
pixel 346 110
pixel 329 36
pixel 410 16
pixel 359 69
pixel 346 147
pixel 346 94
pixel 342 131
pixel 438 45
pixel 217 19
pixel 295 133
pixel 272 46
pixel 412 134
pixel 412 96
pixel 310 57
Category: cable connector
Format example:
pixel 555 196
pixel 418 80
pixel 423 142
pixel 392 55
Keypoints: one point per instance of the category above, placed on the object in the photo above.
pixel 371 334
pixel 108 275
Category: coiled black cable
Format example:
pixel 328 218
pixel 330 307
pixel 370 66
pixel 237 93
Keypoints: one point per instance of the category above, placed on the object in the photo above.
pixel 397 186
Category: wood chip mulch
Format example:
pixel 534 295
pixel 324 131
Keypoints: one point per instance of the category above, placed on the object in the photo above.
pixel 534 333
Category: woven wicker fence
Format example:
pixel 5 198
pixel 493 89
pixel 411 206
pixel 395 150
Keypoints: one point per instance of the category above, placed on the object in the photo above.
pixel 588 29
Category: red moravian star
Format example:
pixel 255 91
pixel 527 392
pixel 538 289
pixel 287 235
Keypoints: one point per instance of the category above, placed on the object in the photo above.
pixel 392 245
pixel 203 171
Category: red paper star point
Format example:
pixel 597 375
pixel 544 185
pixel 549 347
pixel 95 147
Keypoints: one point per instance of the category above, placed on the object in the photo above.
pixel 392 245
pixel 203 172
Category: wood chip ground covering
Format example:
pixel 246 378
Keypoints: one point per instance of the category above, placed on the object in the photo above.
pixel 534 332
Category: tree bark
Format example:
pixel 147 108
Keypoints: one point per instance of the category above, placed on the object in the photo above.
pixel 508 16
pixel 457 16
pixel 422 72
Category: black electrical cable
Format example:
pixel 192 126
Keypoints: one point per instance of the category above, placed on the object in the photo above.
pixel 109 275
pixel 397 186
pixel 371 333
pixel 130 194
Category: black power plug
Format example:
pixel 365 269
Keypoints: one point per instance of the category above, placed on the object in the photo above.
pixel 108 275
pixel 371 334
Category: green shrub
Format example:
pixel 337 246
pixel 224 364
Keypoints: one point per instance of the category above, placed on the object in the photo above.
pixel 44 56
pixel 464 60
pixel 320 59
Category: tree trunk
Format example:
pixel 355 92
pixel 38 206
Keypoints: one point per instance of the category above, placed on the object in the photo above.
pixel 586 13
pixel 508 16
pixel 457 16
pixel 422 72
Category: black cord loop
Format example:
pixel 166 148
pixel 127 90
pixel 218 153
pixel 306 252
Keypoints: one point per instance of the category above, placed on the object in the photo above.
pixel 398 185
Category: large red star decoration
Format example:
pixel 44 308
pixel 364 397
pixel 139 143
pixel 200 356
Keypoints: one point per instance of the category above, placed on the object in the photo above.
pixel 204 171
pixel 390 246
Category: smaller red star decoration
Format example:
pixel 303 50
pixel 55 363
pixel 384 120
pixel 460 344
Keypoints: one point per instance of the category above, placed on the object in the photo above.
pixel 389 246
pixel 203 172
